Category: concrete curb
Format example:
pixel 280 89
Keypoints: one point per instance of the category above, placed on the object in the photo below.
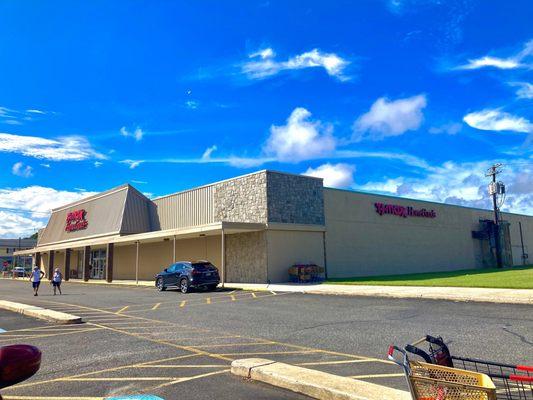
pixel 40 313
pixel 312 383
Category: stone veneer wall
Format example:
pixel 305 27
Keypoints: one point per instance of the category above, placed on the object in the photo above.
pixel 246 257
pixel 242 199
pixel 295 199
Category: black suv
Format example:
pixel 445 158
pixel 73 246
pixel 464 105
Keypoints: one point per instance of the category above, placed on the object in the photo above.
pixel 186 275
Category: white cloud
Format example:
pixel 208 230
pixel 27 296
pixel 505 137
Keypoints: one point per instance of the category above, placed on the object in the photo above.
pixel 132 164
pixel 267 66
pixel 513 62
pixel 264 53
pixel 496 120
pixel 525 90
pixel 464 184
pixel 98 164
pixel 451 128
pixel 390 118
pixel 25 210
pixel 191 104
pixel 207 153
pixel 139 182
pixel 137 134
pixel 35 111
pixel 45 165
pixel 300 139
pixel 334 175
pixel 20 169
pixel 68 148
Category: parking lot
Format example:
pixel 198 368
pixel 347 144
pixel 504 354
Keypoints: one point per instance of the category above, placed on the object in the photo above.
pixel 137 340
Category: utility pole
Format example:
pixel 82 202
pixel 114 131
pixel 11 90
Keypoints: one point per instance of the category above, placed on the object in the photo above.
pixel 493 190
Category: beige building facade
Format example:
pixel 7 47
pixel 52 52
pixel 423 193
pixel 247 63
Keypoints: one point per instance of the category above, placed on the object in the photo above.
pixel 254 227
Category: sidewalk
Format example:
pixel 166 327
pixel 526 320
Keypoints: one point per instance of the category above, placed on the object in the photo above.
pixel 510 296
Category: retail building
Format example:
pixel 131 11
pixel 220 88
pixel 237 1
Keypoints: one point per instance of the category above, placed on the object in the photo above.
pixel 254 227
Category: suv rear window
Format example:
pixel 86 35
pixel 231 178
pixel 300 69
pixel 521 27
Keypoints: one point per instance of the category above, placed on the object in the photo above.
pixel 203 266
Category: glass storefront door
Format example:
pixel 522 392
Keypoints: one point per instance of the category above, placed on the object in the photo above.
pixel 98 264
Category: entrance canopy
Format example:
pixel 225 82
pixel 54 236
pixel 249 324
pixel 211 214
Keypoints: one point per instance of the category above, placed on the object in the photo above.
pixel 214 229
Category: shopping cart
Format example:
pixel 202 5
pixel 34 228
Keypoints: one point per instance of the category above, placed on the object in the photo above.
pixel 513 382
pixel 435 382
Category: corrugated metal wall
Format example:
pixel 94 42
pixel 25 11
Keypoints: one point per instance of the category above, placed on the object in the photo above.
pixel 191 208
pixel 136 217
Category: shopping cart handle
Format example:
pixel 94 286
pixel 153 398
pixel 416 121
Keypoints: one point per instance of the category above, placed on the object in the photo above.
pixel 390 354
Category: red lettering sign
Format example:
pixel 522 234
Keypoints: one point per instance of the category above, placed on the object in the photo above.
pixel 403 211
pixel 76 221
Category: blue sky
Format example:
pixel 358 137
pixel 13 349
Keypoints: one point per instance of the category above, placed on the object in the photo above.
pixel 405 97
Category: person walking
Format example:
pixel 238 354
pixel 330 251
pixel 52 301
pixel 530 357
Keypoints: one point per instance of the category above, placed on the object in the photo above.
pixel 35 278
pixel 56 281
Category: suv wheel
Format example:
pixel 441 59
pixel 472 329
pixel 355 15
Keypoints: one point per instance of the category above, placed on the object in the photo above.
pixel 159 285
pixel 184 285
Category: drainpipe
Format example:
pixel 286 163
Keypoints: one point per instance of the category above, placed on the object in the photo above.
pixel 223 259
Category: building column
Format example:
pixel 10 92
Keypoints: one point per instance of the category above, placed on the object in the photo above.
pixel 67 264
pixel 38 259
pixel 86 260
pixel 223 258
pixel 51 254
pixel 137 262
pixel 174 249
pixel 109 255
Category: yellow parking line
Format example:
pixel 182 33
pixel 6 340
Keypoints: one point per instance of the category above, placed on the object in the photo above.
pixel 123 309
pixel 122 378
pixel 186 366
pixel 208 300
pixel 190 378
pixel 274 293
pixel 50 398
pixel 182 304
pixel 266 353
pixel 232 298
pixel 106 370
pixel 156 306
pixel 336 362
pixel 254 295
pixel 376 376
pixel 236 344
pixel 51 334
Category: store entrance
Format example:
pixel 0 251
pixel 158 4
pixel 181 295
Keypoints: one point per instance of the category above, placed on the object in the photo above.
pixel 98 263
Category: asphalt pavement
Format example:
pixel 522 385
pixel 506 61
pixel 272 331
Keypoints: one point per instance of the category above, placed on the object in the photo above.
pixel 138 340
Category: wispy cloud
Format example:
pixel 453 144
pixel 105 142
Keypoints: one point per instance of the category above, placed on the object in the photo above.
pixel 390 118
pixel 263 64
pixel 451 128
pixel 11 116
pixel 525 89
pixel 497 120
pixel 519 60
pixel 132 164
pixel 300 139
pixel 98 164
pixel 207 153
pixel 137 134
pixel 334 175
pixel 22 170
pixel 67 148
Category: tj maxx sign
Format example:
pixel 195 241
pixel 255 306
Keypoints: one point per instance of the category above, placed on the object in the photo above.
pixel 76 221
pixel 402 211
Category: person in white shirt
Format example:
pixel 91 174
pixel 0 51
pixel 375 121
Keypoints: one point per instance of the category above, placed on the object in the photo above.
pixel 56 280
pixel 35 278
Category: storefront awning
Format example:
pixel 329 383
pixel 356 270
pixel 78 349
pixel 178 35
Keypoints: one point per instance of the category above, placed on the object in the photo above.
pixel 147 237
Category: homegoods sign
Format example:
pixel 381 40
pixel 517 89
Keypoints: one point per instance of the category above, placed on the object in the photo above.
pixel 403 211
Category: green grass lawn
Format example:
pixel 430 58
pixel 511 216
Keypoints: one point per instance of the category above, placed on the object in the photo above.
pixel 511 278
